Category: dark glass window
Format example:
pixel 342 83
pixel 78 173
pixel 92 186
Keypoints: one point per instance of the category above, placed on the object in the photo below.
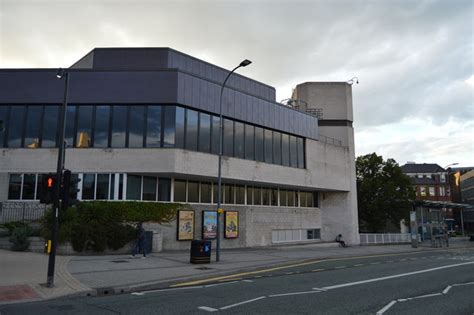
pixel 283 200
pixel 292 199
pixel 239 140
pixel 15 126
pixel 274 197
pixel 164 189
pixel 285 150
pixel 102 192
pixel 228 138
pixel 191 137
pixel 250 195
pixel 315 199
pixel 300 147
pixel 268 146
pixel 33 125
pixel 137 127
pixel 50 126
pixel 28 187
pixel 303 199
pixel 293 152
pixel 38 185
pixel 215 135
pixel 240 195
pixel 84 126
pixel 265 196
pixel 149 188
pixel 153 132
pixel 204 132
pixel 74 177
pixel 169 123
pixel 249 142
pixel 179 127
pixel 134 187
pixel 14 187
pixel 3 119
pixel 112 187
pixel 180 191
pixel 193 192
pixel 70 125
pixel 277 148
pixel 120 188
pixel 119 126
pixel 206 192
pixel 101 130
pixel 259 144
pixel 88 186
pixel 229 194
pixel 257 196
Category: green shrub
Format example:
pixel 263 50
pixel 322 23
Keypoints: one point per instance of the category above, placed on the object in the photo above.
pixel 19 238
pixel 10 226
pixel 98 225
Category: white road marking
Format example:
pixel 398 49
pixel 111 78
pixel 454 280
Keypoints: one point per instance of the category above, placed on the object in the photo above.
pixel 244 302
pixel 247 280
pixel 138 293
pixel 216 284
pixel 340 267
pixel 447 289
pixel 386 307
pixel 358 265
pixel 375 263
pixel 294 293
pixel 395 276
pixel 208 309
pixel 461 284
pixel 424 296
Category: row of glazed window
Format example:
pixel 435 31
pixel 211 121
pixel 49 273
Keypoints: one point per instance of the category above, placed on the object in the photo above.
pixel 151 126
pixel 152 188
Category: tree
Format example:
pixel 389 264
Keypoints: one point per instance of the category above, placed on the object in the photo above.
pixel 384 193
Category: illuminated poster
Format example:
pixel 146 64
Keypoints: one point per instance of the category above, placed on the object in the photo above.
pixel 209 225
pixel 231 224
pixel 185 225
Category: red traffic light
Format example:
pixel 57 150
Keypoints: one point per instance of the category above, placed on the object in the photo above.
pixel 50 182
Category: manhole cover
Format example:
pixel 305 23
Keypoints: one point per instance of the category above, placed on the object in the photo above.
pixel 203 268
pixel 119 261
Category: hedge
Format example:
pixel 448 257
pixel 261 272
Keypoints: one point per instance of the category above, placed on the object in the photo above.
pixel 97 225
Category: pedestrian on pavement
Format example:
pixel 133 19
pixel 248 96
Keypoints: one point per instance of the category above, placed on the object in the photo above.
pixel 140 242
pixel 340 240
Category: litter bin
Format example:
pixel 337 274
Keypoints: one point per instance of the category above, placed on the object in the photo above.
pixel 200 252
pixel 148 241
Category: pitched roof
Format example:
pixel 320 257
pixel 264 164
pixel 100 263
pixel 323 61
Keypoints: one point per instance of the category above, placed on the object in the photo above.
pixel 422 168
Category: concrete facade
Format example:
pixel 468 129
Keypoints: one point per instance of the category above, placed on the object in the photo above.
pixel 328 172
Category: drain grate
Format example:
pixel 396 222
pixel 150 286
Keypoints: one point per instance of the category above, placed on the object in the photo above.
pixel 203 268
pixel 119 261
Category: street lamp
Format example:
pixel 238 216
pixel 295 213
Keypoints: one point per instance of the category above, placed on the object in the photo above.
pixel 61 73
pixel 244 63
pixel 452 164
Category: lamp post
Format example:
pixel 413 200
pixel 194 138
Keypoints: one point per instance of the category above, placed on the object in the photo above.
pixel 244 63
pixel 59 171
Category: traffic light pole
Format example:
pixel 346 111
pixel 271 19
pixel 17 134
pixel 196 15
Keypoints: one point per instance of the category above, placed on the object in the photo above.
pixel 59 171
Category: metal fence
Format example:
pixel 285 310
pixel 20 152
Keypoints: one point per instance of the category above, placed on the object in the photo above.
pixel 21 211
pixel 390 238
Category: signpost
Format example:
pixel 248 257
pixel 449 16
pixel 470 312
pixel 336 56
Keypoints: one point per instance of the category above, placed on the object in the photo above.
pixel 413 229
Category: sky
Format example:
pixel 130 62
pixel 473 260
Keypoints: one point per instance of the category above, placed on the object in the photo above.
pixel 414 58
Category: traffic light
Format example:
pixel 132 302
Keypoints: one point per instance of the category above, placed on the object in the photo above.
pixel 48 188
pixel 69 189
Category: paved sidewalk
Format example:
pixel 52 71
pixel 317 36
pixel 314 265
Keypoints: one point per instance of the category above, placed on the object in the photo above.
pixel 21 274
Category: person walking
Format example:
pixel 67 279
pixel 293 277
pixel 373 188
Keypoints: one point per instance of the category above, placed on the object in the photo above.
pixel 140 243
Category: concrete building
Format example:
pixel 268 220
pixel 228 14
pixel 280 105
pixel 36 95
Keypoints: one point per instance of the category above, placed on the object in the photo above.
pixel 142 124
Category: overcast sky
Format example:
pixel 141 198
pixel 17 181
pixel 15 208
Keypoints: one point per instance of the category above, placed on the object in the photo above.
pixel 414 59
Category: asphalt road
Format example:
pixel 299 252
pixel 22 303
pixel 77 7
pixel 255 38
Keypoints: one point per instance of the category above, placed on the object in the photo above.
pixel 438 282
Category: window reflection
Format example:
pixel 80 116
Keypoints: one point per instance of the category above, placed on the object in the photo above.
pixel 149 188
pixel 293 152
pixel 169 120
pixel 50 126
pixel 137 127
pixel 88 186
pixel 28 186
pixel 153 133
pixel 259 144
pixel 70 125
pixel 239 140
pixel 228 137
pixel 204 132
pixel 285 150
pixel 277 148
pixel 268 146
pixel 101 133
pixel 249 142
pixel 119 126
pixel 191 130
pixel 14 187
pixel 179 127
pixel 15 126
pixel 134 187
pixel 164 189
pixel 84 127
pixel 33 123
pixel 102 192
pixel 215 135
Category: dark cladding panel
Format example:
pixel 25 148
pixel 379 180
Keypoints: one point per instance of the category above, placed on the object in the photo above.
pixel 181 88
pixel 130 58
pixel 188 90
